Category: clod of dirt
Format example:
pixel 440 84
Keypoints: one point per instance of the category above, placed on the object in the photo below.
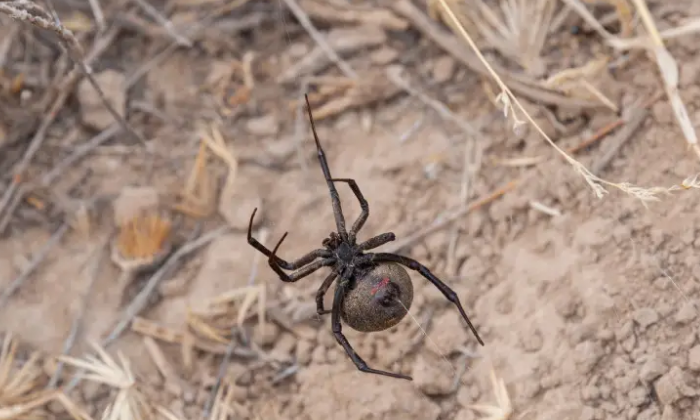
pixel 652 369
pixel 686 313
pixel 638 396
pixel 587 354
pixel 324 392
pixel 443 69
pixel 673 386
pixel 645 317
pixel 670 413
pixel 94 112
pixel 694 358
pixel 132 201
pixel 269 336
pixel 266 125
pixel 384 56
pixel 429 377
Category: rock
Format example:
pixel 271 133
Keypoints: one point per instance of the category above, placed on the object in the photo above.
pixel 94 111
pixel 673 386
pixel 638 396
pixel 443 69
pixel 670 413
pixel 686 313
pixel 587 354
pixel 652 369
pixel 372 396
pixel 428 378
pixel 694 358
pixel 132 201
pixel 268 336
pixel 645 317
pixel 266 125
pixel 384 56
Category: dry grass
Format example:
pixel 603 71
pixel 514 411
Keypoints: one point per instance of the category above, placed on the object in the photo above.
pixel 129 403
pixel 512 107
pixel 503 408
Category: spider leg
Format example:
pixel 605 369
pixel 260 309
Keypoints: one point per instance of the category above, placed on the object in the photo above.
pixel 423 270
pixel 378 240
pixel 302 272
pixel 335 198
pixel 364 205
pixel 340 338
pixel 322 292
pixel 305 259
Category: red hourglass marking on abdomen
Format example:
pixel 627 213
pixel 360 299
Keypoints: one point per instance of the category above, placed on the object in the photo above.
pixel 381 284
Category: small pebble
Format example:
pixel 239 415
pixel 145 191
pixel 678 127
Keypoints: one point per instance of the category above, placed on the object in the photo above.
pixel 443 69
pixel 652 369
pixel 266 125
pixel 646 317
pixel 686 313
pixel 694 358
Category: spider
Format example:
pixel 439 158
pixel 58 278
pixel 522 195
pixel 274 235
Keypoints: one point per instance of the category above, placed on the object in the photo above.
pixel 374 291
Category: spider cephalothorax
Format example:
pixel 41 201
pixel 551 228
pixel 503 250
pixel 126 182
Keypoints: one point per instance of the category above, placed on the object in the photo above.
pixel 373 291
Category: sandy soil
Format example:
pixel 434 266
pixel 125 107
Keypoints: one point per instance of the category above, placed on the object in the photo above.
pixel 588 314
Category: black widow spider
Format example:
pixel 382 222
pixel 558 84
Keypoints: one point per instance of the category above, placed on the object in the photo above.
pixel 379 272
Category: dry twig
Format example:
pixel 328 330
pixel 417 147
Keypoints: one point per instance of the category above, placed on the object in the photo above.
pixel 304 20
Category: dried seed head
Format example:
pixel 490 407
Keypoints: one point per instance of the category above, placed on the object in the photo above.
pixel 143 237
pixel 379 300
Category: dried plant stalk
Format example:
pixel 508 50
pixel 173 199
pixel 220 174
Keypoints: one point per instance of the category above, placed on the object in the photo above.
pixel 508 100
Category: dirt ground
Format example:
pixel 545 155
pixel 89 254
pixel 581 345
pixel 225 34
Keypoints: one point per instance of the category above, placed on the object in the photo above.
pixel 588 307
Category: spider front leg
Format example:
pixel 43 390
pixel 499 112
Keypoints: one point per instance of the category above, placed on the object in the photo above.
pixel 322 292
pixel 423 270
pixel 377 241
pixel 302 272
pixel 335 198
pixel 364 206
pixel 318 253
pixel 361 365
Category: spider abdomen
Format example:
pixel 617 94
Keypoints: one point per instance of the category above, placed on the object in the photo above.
pixel 379 299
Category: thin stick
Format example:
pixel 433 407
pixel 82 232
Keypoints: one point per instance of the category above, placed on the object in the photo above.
pixel 64 89
pixel 393 73
pixel 232 342
pixel 305 22
pixel 99 15
pixel 36 261
pixel 636 118
pixel 450 217
pixel 93 271
pixel 141 300
pixel 669 74
pixel 165 22
pixel 79 152
pixel 7 43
